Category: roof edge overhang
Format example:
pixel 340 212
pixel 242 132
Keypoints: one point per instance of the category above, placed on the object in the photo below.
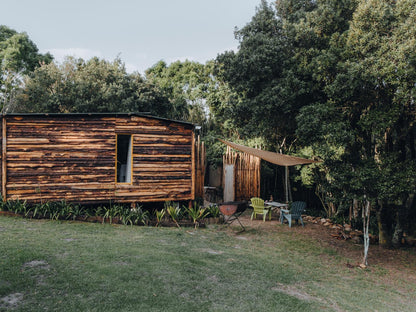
pixel 274 158
pixel 58 115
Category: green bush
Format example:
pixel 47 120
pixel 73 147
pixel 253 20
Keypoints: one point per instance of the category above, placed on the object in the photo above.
pixel 159 214
pixel 213 211
pixel 197 213
pixel 128 216
pixel 174 211
pixel 139 216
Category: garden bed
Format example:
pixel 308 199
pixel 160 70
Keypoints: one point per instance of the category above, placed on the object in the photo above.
pixel 172 215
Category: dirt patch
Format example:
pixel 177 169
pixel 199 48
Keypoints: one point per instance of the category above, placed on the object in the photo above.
pixel 37 269
pixel 213 278
pixel 69 239
pixel 11 301
pixel 37 264
pixel 242 238
pixel 396 261
pixel 295 292
pixel 120 263
pixel 213 252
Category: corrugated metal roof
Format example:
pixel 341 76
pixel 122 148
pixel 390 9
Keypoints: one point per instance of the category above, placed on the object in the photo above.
pixel 275 158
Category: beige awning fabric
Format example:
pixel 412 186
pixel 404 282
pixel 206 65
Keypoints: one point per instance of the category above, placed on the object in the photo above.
pixel 275 158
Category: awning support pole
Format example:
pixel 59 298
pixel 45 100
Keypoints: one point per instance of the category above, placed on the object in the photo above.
pixel 287 184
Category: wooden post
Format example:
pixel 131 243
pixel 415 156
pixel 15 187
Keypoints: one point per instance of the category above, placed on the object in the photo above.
pixel 287 184
pixel 202 170
pixel 3 158
pixel 193 166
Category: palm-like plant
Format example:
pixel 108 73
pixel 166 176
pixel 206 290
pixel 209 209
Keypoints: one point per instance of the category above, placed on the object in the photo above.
pixel 160 215
pixel 214 211
pixel 138 216
pixel 197 213
pixel 174 212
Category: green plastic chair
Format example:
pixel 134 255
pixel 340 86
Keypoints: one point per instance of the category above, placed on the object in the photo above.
pixel 260 208
pixel 295 213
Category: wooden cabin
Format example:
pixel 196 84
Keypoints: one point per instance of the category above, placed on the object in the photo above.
pixel 96 158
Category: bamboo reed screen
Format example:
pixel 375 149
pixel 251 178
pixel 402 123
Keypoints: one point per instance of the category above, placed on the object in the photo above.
pixel 247 174
pixel 200 168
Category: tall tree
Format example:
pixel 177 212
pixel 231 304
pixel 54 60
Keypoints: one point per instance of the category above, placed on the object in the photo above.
pixel 90 86
pixel 380 50
pixel 190 86
pixel 263 104
pixel 368 112
pixel 319 35
pixel 18 57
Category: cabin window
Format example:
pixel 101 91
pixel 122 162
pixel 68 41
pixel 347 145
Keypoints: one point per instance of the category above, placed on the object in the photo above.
pixel 124 158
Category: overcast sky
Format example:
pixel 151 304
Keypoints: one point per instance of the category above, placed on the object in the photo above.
pixel 140 32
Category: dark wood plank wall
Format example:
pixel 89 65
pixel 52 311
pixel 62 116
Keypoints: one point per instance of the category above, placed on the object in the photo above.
pixel 73 158
pixel 162 160
pixel 56 158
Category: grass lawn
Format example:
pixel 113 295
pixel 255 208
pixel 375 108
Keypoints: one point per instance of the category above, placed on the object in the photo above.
pixel 74 266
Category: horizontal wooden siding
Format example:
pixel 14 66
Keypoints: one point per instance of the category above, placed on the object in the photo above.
pixel 57 158
pixel 162 160
pixel 73 158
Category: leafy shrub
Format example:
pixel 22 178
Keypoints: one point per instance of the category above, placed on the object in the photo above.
pixel 174 211
pixel 197 213
pixel 128 216
pixel 77 211
pixel 16 206
pixel 113 211
pixel 41 210
pixel 138 216
pixel 213 211
pixel 160 214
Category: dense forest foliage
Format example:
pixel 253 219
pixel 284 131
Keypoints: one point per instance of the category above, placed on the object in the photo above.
pixel 329 79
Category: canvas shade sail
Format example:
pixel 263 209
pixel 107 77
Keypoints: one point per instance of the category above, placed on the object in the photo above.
pixel 274 158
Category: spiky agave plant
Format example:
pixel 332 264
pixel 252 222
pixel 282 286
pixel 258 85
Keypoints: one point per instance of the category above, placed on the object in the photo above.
pixel 139 216
pixel 160 214
pixel 174 212
pixel 197 213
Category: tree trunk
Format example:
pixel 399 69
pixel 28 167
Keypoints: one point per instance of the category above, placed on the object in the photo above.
pixel 402 215
pixel 366 223
pixel 411 221
pixel 384 220
pixel 398 229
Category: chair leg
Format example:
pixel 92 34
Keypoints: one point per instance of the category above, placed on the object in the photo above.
pixel 252 215
pixel 290 220
pixel 301 221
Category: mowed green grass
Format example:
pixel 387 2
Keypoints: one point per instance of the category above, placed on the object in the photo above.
pixel 74 266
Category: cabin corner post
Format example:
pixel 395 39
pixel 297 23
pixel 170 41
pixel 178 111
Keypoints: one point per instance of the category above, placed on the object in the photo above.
pixel 193 166
pixel 3 159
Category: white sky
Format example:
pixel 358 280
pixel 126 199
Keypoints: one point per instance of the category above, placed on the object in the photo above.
pixel 140 32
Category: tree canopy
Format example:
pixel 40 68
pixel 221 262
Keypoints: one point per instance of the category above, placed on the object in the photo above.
pixel 262 104
pixel 19 56
pixel 90 86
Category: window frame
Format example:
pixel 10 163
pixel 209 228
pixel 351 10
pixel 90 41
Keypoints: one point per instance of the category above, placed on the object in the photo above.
pixel 131 159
